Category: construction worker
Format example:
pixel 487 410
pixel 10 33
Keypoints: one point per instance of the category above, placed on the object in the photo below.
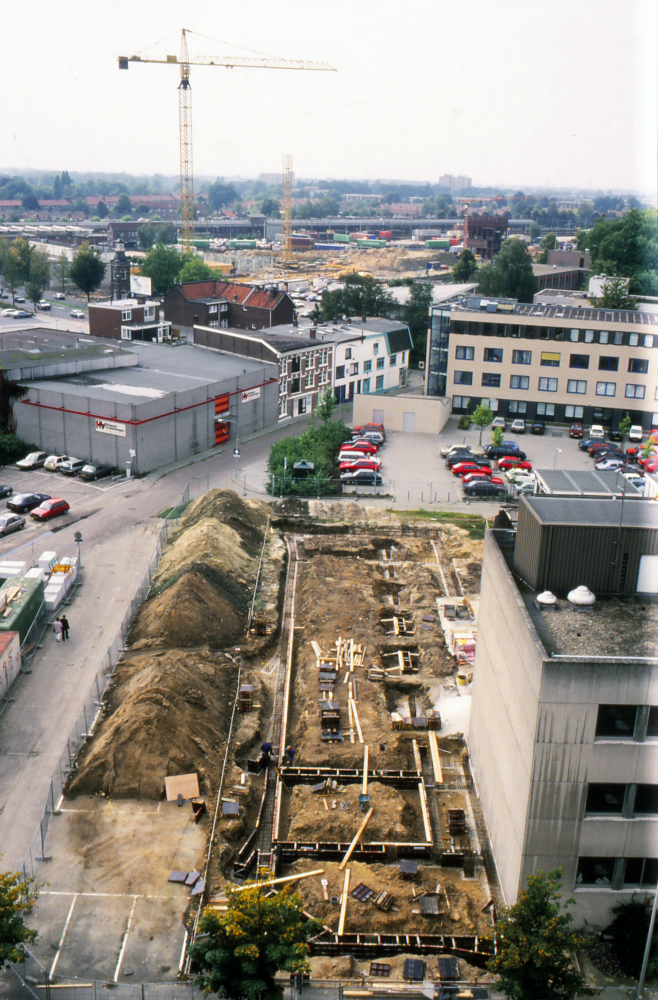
pixel 265 751
pixel 288 756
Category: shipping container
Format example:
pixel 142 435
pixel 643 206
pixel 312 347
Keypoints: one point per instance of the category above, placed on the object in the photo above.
pixel 437 244
pixel 454 242
pixel 386 234
pixel 242 244
pixel 328 246
pixel 341 238
pixel 302 242
pixel 20 601
pixel 10 662
pixel 371 243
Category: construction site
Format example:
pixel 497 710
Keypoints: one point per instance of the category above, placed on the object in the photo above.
pixel 347 635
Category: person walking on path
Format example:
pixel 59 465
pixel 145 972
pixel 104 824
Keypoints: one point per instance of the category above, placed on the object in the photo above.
pixel 57 629
pixel 65 627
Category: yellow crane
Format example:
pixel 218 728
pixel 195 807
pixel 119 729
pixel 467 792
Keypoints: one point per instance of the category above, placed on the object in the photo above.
pixel 185 109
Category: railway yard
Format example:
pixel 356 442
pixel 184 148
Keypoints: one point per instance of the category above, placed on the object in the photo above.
pixel 324 630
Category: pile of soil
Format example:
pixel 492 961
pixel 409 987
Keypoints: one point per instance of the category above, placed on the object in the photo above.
pixel 192 608
pixel 394 818
pixel 165 714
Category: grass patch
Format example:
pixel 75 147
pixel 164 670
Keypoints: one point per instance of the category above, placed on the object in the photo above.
pixel 474 524
pixel 174 511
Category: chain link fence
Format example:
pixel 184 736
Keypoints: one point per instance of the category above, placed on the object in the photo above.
pixel 393 490
pixel 85 723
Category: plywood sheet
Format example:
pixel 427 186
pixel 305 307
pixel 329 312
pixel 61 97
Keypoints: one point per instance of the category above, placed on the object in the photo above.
pixel 186 785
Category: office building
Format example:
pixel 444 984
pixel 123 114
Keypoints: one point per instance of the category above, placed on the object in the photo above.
pixel 456 182
pixel 563 732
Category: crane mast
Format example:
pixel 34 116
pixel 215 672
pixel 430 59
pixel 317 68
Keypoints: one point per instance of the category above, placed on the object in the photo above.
pixel 286 227
pixel 186 167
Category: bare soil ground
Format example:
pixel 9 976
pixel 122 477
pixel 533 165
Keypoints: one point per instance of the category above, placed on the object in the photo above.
pixel 337 817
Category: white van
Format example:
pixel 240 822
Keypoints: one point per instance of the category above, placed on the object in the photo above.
pixel 351 456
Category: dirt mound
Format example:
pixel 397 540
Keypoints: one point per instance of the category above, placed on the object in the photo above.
pixel 193 611
pixel 164 714
pixel 246 517
pixel 394 818
pixel 213 549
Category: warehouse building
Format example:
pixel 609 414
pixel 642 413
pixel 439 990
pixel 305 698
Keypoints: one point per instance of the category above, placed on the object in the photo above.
pixel 167 404
pixel 564 722
pixel 552 363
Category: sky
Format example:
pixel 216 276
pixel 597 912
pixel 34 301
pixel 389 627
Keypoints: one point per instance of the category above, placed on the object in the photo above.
pixel 558 93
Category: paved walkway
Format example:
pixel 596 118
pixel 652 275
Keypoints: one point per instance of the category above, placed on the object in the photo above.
pixel 35 725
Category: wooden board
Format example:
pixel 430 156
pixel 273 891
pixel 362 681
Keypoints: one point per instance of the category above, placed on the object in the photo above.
pixel 186 785
pixel 275 881
pixel 356 838
pixel 343 905
pixel 436 760
pixel 426 812
pixel 364 783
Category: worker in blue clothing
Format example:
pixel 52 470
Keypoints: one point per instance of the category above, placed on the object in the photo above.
pixel 265 752
pixel 288 756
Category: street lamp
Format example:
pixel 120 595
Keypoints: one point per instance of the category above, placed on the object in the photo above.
pixel 78 538
pixel 558 451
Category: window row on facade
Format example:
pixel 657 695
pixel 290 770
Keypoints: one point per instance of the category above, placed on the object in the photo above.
pixel 620 799
pixel 617 337
pixel 617 872
pixel 493 380
pixel 551 359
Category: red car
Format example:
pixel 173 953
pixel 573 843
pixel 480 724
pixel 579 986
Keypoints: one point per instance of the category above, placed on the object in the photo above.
pixel 362 444
pixel 471 477
pixel 370 427
pixel 365 463
pixel 463 469
pixel 513 463
pixel 50 508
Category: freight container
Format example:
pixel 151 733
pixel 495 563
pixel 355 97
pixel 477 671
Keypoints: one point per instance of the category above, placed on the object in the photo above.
pixel 301 242
pixel 242 244
pixel 341 238
pixel 10 662
pixel 386 234
pixel 437 244
pixel 454 242
pixel 21 599
pixel 378 244
pixel 327 246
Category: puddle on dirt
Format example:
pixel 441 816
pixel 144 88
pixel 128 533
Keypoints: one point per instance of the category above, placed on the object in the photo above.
pixel 454 705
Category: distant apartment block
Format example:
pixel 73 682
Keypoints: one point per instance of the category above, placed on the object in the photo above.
pixel 456 182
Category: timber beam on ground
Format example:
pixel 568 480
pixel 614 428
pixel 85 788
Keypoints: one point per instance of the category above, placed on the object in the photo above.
pixel 372 945
pixel 349 776
pixel 368 853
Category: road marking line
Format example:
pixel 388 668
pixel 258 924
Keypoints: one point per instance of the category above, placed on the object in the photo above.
pixel 61 940
pixel 125 939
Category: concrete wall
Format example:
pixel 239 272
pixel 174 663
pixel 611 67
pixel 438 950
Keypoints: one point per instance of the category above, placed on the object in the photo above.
pixel 161 431
pixel 507 683
pixel 430 413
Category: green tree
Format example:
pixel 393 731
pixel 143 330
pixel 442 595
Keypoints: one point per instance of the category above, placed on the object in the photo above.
pixel 465 267
pixel 166 233
pixel 40 269
pixel 625 426
pixel 627 247
pixel 13 271
pixel 146 235
pixel 534 230
pixel 614 295
pixel 162 265
pixel 416 314
pixel 220 194
pixel 511 275
pixel 535 944
pixel 482 416
pixel 33 292
pixel 549 242
pixel 316 444
pixel 360 296
pixel 16 901
pixel 497 436
pixel 123 205
pixel 270 207
pixel 30 201
pixel 102 210
pixel 87 269
pixel 57 188
pixel 628 930
pixel 62 269
pixel 242 950
pixel 23 251
pixel 326 406
pixel 194 269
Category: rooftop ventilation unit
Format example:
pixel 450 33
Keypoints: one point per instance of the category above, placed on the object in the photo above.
pixel 546 599
pixel 581 599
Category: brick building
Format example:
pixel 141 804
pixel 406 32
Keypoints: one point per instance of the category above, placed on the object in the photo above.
pixel 305 364
pixel 225 304
pixel 486 234
pixel 128 319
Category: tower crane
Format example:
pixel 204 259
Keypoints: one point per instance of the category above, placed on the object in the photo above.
pixel 185 109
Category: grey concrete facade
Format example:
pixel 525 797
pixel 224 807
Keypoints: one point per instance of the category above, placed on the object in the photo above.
pixel 536 754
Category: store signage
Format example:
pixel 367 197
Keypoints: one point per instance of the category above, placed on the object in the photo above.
pixel 111 427
pixel 250 394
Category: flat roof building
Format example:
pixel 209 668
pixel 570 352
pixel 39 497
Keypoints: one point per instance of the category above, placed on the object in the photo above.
pixel 564 725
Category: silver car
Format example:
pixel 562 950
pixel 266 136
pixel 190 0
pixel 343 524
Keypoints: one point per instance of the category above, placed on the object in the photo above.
pixel 11 522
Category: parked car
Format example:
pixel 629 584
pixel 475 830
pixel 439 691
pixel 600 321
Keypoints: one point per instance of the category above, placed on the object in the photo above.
pixel 576 430
pixel 8 312
pixel 60 296
pixel 614 434
pixel 6 491
pixel 379 428
pixel 499 422
pixel 596 431
pixel 22 502
pixel 587 443
pixel 363 444
pixel 475 449
pixel 513 474
pixel 464 456
pixel 22 314
pixel 485 490
pixel 374 436
pixel 96 471
pixel 636 433
pixel 518 427
pixel 472 477
pixel 537 427
pixel 78 314
pixel 50 508
pixel 32 461
pixel 4 295
pixel 528 480
pixel 374 464
pixel 635 480
pixel 525 489
pixel 19 298
pixel 509 462
pixel 53 462
pixel 602 447
pixel 461 468
pixel 506 448
pixel 44 305
pixel 361 478
pixel 72 466
pixel 11 522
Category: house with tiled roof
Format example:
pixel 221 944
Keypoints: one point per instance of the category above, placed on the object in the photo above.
pixel 227 304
